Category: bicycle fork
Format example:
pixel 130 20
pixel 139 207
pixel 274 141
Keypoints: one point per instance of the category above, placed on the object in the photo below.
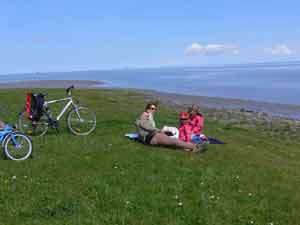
pixel 13 138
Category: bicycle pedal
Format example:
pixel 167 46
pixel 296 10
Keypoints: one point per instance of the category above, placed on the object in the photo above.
pixel 53 123
pixel 54 126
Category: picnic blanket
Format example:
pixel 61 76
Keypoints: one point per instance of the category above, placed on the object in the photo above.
pixel 211 140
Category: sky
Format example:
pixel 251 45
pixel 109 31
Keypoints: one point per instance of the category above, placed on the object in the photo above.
pixel 65 35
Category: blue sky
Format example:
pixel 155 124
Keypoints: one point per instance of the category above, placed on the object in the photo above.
pixel 40 36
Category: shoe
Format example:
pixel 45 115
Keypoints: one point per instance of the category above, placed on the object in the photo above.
pixel 201 148
pixel 196 149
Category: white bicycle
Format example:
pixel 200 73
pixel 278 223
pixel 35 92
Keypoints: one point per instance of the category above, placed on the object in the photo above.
pixel 80 120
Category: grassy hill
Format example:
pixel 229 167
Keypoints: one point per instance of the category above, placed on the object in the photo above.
pixel 106 179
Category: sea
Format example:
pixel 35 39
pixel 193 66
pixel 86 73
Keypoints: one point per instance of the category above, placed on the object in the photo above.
pixel 267 82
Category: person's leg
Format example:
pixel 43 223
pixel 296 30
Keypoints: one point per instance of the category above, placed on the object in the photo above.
pixel 162 139
pixel 196 139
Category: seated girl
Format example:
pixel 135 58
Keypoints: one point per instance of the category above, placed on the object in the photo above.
pixel 197 123
pixel 186 130
pixel 196 119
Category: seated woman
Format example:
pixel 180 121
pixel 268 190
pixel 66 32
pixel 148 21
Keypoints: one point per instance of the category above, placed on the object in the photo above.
pixel 149 134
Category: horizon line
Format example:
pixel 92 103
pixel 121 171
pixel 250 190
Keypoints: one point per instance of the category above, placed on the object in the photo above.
pixel 258 64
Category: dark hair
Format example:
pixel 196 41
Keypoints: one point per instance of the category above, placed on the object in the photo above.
pixel 149 104
pixel 194 108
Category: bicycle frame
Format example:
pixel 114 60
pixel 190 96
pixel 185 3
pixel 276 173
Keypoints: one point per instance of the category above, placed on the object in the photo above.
pixel 65 108
pixel 6 133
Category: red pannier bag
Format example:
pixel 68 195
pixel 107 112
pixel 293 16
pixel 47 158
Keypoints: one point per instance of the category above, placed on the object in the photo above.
pixel 34 106
pixel 28 105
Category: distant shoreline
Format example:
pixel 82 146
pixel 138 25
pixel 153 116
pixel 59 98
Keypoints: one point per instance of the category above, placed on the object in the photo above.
pixel 51 84
pixel 275 109
pixel 173 99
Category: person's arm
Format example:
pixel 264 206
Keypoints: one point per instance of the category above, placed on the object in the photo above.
pixel 145 124
pixel 181 134
pixel 184 134
pixel 198 125
pixel 189 133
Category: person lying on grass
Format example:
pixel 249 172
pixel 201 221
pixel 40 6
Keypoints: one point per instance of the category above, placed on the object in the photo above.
pixel 151 135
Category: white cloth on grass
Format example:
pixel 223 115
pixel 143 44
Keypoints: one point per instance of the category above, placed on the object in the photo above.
pixel 172 130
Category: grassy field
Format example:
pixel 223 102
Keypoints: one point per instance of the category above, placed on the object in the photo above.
pixel 105 179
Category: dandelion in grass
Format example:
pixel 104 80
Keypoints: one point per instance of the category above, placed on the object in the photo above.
pixel 176 197
pixel 251 222
pixel 250 194
pixel 127 202
pixel 14 177
pixel 180 204
pixel 116 166
pixel 212 197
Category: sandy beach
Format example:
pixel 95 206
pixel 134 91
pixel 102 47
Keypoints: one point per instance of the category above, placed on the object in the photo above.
pixel 283 110
pixel 274 109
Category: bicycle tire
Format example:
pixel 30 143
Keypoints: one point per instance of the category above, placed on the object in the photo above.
pixel 33 128
pixel 13 152
pixel 84 124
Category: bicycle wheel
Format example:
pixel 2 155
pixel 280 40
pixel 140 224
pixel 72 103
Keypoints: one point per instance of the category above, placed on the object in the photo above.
pixel 17 147
pixel 81 121
pixel 33 128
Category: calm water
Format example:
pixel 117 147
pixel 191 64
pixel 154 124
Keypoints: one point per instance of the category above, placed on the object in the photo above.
pixel 263 82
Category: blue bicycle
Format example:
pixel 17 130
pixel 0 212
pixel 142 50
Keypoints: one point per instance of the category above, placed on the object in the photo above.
pixel 16 145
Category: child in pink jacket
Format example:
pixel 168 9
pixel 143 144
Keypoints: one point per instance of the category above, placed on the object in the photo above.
pixel 185 128
pixel 196 120
pixel 197 123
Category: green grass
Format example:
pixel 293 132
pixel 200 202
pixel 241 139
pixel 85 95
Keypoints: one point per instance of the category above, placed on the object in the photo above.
pixel 106 179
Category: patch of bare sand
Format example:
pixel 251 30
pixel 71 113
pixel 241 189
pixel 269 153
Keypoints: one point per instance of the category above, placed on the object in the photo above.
pixel 275 109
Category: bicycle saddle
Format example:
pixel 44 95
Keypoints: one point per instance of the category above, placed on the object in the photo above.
pixel 69 89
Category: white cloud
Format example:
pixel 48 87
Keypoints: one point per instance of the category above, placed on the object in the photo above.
pixel 279 50
pixel 211 49
pixel 194 49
